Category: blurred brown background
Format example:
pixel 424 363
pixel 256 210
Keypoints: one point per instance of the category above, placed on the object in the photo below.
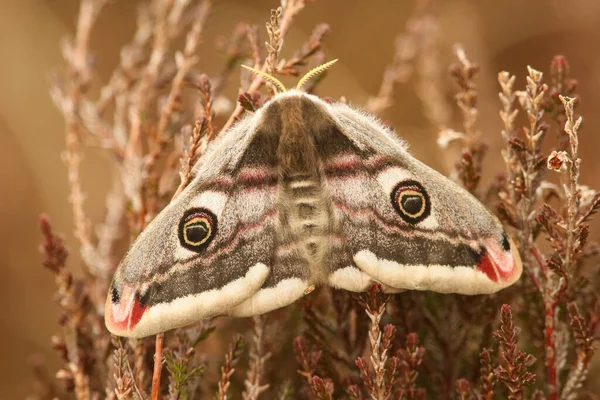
pixel 505 35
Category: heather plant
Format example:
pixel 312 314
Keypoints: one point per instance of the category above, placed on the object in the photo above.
pixel 155 116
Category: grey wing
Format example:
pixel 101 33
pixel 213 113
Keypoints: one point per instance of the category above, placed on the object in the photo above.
pixel 402 223
pixel 208 251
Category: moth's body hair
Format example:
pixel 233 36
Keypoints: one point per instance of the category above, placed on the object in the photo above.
pixel 302 197
pixel 302 184
pixel 302 193
pixel 348 118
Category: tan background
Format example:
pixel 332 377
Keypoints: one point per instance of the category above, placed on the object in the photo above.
pixel 33 178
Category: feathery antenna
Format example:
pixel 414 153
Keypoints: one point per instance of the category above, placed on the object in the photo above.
pixel 313 72
pixel 274 80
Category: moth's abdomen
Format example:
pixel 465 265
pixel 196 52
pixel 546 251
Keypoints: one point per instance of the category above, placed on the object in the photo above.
pixel 308 216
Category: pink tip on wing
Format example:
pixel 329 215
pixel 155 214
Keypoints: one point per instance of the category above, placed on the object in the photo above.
pixel 486 265
pixel 125 315
pixel 498 263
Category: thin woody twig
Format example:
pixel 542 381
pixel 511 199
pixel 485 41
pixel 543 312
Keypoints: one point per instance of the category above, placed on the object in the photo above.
pixel 408 48
pixel 289 12
pixel 398 71
pixel 123 76
pixel 191 156
pixel 310 48
pixel 158 348
pixel 233 53
pixel 185 61
pixel 139 360
pixel 160 42
pixel 258 357
pixel 72 302
pixel 231 359
pixel 135 385
pixel 206 102
pixel 70 103
pixel 275 41
pixel 473 149
pixel 253 36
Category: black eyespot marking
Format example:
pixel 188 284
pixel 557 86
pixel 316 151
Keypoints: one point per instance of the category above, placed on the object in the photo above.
pixel 115 297
pixel 197 228
pixel 505 242
pixel 412 204
pixel 411 201
pixel 197 232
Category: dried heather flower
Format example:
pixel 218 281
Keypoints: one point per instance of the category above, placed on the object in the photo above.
pixel 410 357
pixel 584 340
pixel 250 102
pixel 307 359
pixel 487 379
pixel 322 388
pixel 123 386
pixel 558 161
pixel 354 392
pixel 308 49
pixel 463 389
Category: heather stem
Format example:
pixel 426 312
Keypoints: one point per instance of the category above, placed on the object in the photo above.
pixel 293 7
pixel 533 107
pixel 572 195
pixel 258 358
pixel 379 381
pixel 379 357
pixel 157 366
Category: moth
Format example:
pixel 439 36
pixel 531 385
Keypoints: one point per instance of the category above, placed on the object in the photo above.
pixel 302 193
